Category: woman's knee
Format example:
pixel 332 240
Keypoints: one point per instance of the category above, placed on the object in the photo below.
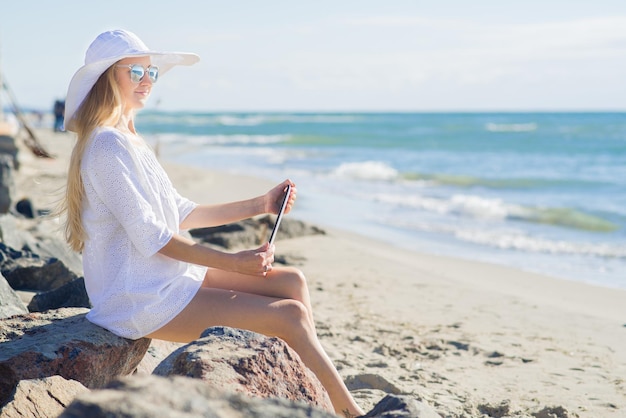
pixel 294 310
pixel 294 316
pixel 296 280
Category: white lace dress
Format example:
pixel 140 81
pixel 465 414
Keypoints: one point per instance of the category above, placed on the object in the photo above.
pixel 130 212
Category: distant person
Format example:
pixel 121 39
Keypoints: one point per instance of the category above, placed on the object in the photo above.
pixel 144 278
pixel 59 114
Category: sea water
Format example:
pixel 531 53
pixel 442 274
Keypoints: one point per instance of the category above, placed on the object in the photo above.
pixel 543 192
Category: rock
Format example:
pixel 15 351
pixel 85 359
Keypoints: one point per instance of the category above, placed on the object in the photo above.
pixel 14 233
pixel 180 397
pixel 371 381
pixel 25 270
pixel 10 234
pixel 10 302
pixel 554 412
pixel 158 351
pixel 247 233
pixel 246 362
pixel 62 342
pixel 25 208
pixel 234 235
pixel 49 242
pixel 293 228
pixel 72 294
pixel 40 236
pixel 397 406
pixel 42 398
pixel 252 232
pixel 7 182
pixel 9 147
pixel 496 410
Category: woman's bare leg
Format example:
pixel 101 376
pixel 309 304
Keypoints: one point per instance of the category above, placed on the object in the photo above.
pixel 284 316
pixel 280 282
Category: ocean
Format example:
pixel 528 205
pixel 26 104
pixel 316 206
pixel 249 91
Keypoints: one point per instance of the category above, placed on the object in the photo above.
pixel 542 192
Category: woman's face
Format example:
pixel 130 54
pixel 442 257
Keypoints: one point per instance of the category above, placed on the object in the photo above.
pixel 134 95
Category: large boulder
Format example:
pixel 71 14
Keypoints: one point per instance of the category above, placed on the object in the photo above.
pixel 42 398
pixel 181 397
pixel 72 294
pixel 41 236
pixel 28 271
pixel 246 362
pixel 62 342
pixel 58 286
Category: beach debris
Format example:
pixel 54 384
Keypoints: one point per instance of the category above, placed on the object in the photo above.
pixel 31 140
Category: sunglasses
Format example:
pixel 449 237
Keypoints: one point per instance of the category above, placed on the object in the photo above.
pixel 137 72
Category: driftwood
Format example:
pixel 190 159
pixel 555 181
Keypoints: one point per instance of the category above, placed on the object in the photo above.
pixel 31 140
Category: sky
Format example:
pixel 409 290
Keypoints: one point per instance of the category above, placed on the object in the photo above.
pixel 337 55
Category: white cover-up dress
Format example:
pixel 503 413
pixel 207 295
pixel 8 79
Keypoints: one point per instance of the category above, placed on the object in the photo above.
pixel 131 210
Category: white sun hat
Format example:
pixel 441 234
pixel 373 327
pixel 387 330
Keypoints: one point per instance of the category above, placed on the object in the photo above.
pixel 108 48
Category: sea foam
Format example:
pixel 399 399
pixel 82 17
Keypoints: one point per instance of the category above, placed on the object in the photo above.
pixel 477 207
pixel 367 170
pixel 511 127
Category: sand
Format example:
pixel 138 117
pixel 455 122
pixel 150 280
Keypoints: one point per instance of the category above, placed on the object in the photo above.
pixel 466 337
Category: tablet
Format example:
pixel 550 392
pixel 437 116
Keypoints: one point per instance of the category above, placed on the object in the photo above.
pixel 283 206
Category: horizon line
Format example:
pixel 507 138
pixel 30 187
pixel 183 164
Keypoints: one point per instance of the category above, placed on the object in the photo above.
pixel 149 109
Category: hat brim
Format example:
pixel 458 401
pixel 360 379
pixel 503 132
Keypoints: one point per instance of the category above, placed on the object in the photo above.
pixel 87 75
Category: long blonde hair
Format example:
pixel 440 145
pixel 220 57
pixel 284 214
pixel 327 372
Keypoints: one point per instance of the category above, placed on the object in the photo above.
pixel 101 107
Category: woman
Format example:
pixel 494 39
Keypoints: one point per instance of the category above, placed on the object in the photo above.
pixel 145 279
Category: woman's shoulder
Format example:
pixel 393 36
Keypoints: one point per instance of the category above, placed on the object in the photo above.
pixel 107 139
pixel 109 134
pixel 107 143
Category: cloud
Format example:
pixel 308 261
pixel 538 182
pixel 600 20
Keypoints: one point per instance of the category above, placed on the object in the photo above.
pixel 412 62
pixel 461 52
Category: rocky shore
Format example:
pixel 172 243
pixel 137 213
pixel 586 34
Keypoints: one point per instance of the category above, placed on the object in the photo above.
pixel 413 335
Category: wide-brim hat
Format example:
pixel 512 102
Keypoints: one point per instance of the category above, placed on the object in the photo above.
pixel 108 48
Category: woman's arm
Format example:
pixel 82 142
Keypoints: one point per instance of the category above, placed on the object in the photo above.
pixel 213 215
pixel 253 262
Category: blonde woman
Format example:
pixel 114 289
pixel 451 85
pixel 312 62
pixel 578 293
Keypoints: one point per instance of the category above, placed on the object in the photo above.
pixel 145 279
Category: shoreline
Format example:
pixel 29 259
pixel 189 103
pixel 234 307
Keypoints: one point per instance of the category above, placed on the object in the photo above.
pixel 460 334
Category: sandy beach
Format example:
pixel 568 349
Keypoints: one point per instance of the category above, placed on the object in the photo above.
pixel 468 338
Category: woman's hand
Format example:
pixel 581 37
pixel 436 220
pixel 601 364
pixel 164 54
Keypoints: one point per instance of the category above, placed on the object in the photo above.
pixel 256 262
pixel 274 198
